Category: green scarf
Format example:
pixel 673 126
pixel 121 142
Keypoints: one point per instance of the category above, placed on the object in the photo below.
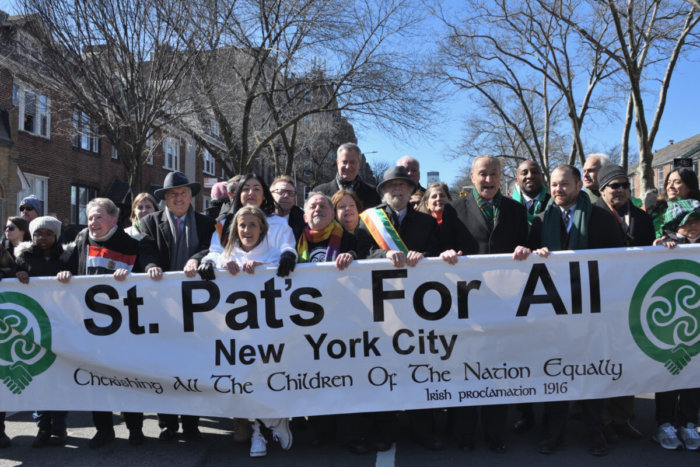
pixel 537 200
pixel 578 235
pixel 489 210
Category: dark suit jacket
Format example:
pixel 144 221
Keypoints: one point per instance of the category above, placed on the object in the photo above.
pixel 641 227
pixel 418 232
pixel 603 230
pixel 510 227
pixel 543 204
pixel 159 238
pixel 367 193
pixel 296 221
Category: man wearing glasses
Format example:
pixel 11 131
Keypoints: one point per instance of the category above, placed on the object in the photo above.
pixel 30 208
pixel 285 193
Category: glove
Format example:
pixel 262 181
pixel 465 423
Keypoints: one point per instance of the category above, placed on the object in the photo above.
pixel 206 271
pixel 287 263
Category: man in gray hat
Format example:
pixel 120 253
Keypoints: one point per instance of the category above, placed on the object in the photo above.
pixel 172 237
pixel 30 208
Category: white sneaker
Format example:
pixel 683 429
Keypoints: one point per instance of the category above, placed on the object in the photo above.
pixel 280 431
pixel 258 445
pixel 666 436
pixel 690 436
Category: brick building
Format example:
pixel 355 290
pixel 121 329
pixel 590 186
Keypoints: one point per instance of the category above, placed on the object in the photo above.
pixel 51 149
pixel 662 162
pixel 48 150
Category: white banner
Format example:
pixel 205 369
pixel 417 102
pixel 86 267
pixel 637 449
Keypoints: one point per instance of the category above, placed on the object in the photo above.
pixel 489 330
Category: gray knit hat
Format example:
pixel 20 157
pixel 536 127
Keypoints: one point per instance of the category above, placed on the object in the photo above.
pixel 45 222
pixel 608 173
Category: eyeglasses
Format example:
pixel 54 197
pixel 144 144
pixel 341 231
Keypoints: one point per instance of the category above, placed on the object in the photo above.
pixel 285 192
pixel 615 186
pixel 9 228
pixel 26 208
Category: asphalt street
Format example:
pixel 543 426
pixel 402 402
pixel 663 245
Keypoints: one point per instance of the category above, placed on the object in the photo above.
pixel 218 448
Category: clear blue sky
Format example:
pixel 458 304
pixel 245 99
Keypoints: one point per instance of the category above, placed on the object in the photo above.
pixel 679 122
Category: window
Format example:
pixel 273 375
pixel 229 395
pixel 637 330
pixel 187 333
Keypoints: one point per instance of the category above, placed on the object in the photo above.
pixel 171 150
pixel 149 147
pixel 79 197
pixel 28 46
pixel 115 153
pixel 86 133
pixel 207 202
pixel 214 128
pixel 34 185
pixel 34 110
pixel 632 190
pixel 209 164
pixel 660 179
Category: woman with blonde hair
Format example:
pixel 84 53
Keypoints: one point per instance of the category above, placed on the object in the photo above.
pixel 248 246
pixel 143 204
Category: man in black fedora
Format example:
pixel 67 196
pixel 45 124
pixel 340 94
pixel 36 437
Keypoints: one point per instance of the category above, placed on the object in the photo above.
pixel 172 237
pixel 403 236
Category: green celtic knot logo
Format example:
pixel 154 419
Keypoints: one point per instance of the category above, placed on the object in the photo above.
pixel 25 341
pixel 665 313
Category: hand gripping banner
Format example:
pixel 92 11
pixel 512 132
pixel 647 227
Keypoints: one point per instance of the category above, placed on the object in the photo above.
pixel 489 330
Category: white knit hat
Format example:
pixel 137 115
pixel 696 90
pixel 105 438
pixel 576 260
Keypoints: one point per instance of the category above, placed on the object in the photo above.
pixel 45 222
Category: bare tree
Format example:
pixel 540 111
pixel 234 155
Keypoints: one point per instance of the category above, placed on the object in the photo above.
pixel 647 34
pixel 378 169
pixel 525 69
pixel 278 62
pixel 115 62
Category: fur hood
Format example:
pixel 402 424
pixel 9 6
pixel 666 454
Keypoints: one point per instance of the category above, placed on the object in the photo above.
pixel 29 247
pixel 22 248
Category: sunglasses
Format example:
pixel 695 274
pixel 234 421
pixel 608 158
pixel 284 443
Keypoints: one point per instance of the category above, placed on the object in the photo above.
pixel 9 228
pixel 615 186
pixel 26 208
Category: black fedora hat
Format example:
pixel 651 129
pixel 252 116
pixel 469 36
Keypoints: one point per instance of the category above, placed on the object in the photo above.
pixel 397 172
pixel 177 180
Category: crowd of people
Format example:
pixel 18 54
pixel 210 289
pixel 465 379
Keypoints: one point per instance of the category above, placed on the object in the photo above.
pixel 347 219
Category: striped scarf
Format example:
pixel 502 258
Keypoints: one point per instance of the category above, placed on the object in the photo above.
pixel 334 231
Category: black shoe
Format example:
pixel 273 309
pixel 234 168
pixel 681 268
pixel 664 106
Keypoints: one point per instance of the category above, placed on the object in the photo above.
pixel 433 442
pixel 523 425
pixel 59 438
pixel 382 444
pixel 610 433
pixel 628 430
pixel 136 437
pixel 498 446
pixel 192 434
pixel 359 446
pixel 597 445
pixel 42 439
pixel 466 443
pixel 101 438
pixel 549 445
pixel 167 435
